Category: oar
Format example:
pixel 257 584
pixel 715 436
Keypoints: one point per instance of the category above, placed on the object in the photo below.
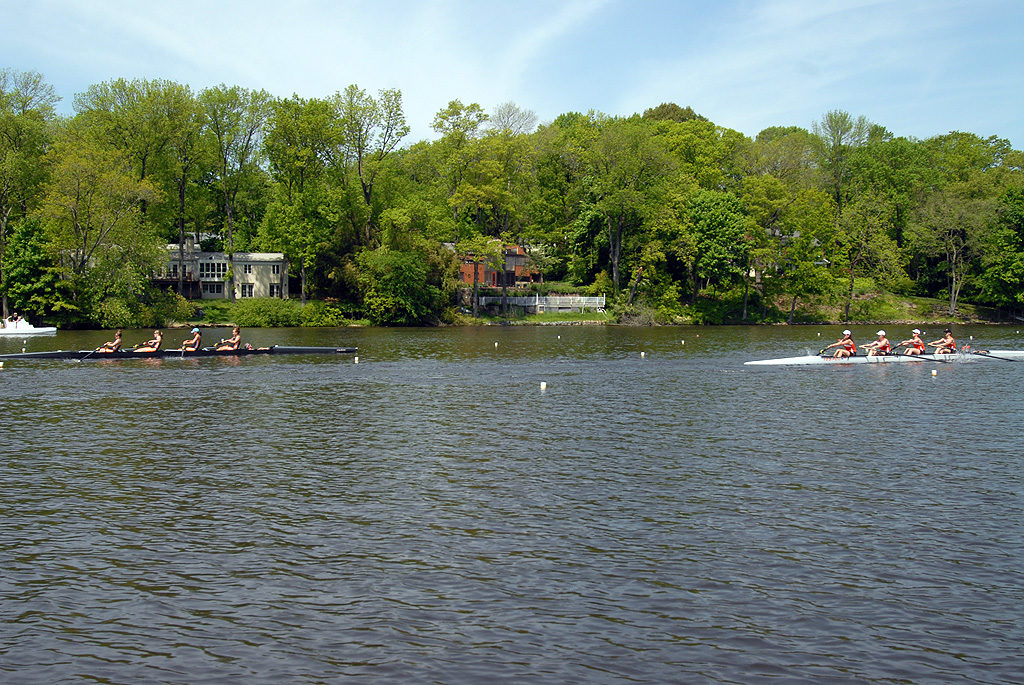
pixel 986 354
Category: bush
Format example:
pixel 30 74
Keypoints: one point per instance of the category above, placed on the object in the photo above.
pixel 267 312
pixel 116 313
pixel 322 314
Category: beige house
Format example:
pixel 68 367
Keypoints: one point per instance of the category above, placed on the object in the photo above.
pixel 256 274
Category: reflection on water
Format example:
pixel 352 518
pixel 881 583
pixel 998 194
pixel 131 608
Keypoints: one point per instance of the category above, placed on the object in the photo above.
pixel 428 515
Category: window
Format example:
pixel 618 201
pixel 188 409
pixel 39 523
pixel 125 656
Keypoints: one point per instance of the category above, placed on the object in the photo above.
pixel 247 269
pixel 247 290
pixel 276 269
pixel 213 288
pixel 275 290
pixel 213 269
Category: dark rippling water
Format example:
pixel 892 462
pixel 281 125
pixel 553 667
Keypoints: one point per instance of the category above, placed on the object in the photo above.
pixel 429 515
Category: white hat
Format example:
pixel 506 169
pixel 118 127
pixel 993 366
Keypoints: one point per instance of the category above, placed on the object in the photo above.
pixel 880 333
pixel 847 332
pixel 916 331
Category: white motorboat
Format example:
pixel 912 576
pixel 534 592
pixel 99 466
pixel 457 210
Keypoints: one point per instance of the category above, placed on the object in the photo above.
pixel 962 356
pixel 23 327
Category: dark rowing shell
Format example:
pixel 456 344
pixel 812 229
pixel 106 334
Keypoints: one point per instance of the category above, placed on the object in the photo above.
pixel 177 354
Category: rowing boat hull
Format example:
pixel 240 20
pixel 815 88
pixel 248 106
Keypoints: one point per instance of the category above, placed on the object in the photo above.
pixel 177 354
pixel 818 360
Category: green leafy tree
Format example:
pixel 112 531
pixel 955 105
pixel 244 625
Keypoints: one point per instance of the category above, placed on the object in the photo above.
pixel 718 225
pixel 838 135
pixel 236 118
pixel 864 244
pixel 371 130
pixel 26 112
pixel 1002 264
pixel 31 280
pixel 670 111
pixel 951 225
pixel 458 125
pixel 626 166
pixel 406 280
pixel 91 212
pixel 140 118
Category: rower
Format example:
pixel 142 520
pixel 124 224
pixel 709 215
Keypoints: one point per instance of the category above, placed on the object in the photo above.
pixel 946 344
pixel 847 348
pixel 232 342
pixel 192 344
pixel 878 347
pixel 914 345
pixel 113 345
pixel 151 345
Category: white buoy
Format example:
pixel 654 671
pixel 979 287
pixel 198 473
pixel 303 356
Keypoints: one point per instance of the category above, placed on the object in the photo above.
pixel 643 354
pixel 355 360
pixel 819 335
pixel 543 386
pixel 682 342
pixel 559 337
pixel 495 344
pixel 23 350
pixel 1 365
pixel 972 337
pixel 934 372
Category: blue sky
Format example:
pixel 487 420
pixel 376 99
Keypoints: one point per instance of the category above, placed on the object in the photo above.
pixel 920 68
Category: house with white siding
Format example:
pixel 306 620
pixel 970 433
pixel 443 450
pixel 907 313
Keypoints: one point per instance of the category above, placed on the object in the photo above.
pixel 256 274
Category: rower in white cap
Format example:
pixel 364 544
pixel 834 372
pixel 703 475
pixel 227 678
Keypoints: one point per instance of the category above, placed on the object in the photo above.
pixel 847 348
pixel 878 347
pixel 914 345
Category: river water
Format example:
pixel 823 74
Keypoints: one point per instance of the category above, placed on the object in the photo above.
pixel 659 513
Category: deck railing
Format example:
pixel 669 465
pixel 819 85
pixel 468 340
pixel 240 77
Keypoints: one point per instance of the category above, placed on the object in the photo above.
pixel 540 303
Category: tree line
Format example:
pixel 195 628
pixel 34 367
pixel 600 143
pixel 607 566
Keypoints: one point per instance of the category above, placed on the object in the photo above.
pixel 664 211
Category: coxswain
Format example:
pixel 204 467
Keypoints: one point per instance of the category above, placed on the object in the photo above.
pixel 914 344
pixel 847 348
pixel 878 347
pixel 946 344
pixel 151 345
pixel 192 344
pixel 111 346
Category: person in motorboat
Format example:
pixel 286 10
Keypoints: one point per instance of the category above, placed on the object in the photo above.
pixel 192 344
pixel 111 345
pixel 946 344
pixel 914 345
pixel 846 346
pixel 233 342
pixel 151 345
pixel 878 347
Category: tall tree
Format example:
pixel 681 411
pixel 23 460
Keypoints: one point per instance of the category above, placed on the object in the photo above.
pixel 838 134
pixel 236 118
pixel 950 225
pixel 301 141
pixel 138 117
pixel 864 243
pixel 92 215
pixel 26 112
pixel 1002 263
pixel 718 225
pixel 187 155
pixel 458 125
pixel 626 164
